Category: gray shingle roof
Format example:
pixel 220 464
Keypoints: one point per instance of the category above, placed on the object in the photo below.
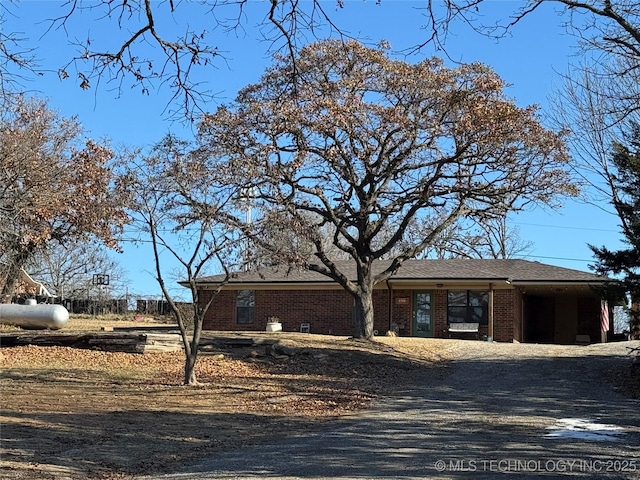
pixel 512 270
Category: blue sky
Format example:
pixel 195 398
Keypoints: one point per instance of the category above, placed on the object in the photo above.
pixel 530 60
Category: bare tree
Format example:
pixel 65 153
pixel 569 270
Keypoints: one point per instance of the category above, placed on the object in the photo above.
pixel 52 186
pixel 176 60
pixel 595 109
pixel 16 58
pixel 365 143
pixel 175 202
pixel 608 34
pixel 490 238
pixel 494 238
pixel 142 54
pixel 606 25
pixel 67 269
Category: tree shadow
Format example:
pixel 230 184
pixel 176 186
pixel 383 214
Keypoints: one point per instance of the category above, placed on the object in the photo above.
pixel 489 417
pixel 471 415
pixel 127 442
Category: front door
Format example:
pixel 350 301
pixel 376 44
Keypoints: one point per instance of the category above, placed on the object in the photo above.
pixel 422 325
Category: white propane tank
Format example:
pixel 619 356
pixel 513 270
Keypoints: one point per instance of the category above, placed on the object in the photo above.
pixel 34 316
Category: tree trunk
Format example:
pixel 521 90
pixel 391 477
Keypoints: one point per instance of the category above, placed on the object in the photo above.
pixel 16 263
pixel 363 315
pixel 190 345
pixel 190 367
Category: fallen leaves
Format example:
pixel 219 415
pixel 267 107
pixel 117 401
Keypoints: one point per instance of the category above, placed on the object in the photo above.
pixel 97 414
pixel 76 413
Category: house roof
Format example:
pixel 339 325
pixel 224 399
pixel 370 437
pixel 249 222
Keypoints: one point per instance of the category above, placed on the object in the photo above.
pixel 514 271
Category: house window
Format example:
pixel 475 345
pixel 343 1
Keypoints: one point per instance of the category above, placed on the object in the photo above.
pixel 468 306
pixel 245 305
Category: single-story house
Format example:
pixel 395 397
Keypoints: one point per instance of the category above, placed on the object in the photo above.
pixel 512 301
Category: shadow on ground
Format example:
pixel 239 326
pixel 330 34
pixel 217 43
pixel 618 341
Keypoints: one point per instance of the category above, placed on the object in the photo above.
pixel 478 418
pixel 489 417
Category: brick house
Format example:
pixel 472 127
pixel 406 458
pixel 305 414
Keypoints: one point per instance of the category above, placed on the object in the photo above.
pixel 512 300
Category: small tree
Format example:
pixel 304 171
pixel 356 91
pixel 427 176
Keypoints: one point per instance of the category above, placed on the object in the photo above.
pixel 625 197
pixel 175 202
pixel 52 187
pixel 367 145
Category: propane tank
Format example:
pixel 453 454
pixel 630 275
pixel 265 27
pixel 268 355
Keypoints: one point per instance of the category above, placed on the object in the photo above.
pixel 37 317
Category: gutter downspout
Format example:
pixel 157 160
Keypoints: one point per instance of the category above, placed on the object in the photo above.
pixel 490 332
pixel 521 316
pixel 390 289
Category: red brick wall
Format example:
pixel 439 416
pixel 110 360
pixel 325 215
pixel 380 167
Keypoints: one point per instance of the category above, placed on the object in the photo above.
pixel 381 311
pixel 518 307
pixel 402 312
pixel 504 315
pixel 331 312
pixel 221 315
pixel 440 326
pixel 327 311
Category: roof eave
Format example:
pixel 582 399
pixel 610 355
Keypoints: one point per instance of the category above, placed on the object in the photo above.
pixel 449 279
pixel 524 283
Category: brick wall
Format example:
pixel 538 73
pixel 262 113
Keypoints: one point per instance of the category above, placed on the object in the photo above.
pixel 504 315
pixel 402 312
pixel 518 311
pixel 331 312
pixel 440 326
pixel 381 311
pixel 327 311
pixel 221 315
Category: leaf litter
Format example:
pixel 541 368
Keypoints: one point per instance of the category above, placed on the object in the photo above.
pixel 73 413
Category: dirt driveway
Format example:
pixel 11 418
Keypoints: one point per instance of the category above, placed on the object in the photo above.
pixel 526 410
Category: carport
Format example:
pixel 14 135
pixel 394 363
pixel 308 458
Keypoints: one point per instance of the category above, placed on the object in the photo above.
pixel 561 314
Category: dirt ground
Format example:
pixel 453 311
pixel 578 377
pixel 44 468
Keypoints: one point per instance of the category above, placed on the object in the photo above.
pixel 69 413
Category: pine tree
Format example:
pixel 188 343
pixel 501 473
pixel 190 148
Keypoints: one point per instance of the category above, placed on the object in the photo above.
pixel 625 188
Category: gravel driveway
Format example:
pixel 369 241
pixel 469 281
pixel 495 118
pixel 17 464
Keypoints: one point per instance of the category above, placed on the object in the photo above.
pixel 500 409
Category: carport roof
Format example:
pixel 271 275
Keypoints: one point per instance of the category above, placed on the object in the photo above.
pixel 514 271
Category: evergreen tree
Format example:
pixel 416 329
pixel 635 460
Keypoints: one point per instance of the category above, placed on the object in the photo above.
pixel 624 181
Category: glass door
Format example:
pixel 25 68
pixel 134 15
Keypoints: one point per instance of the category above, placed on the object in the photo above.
pixel 422 325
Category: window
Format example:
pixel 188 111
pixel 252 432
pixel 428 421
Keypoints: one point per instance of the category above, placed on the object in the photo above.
pixel 468 306
pixel 245 304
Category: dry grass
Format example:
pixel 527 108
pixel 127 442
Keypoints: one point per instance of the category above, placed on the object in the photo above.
pixel 92 323
pixel 70 413
pixel 93 414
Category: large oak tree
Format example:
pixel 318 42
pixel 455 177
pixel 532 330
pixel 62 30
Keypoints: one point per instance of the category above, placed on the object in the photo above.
pixel 368 145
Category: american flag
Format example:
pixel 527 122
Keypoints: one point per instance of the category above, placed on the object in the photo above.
pixel 604 316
